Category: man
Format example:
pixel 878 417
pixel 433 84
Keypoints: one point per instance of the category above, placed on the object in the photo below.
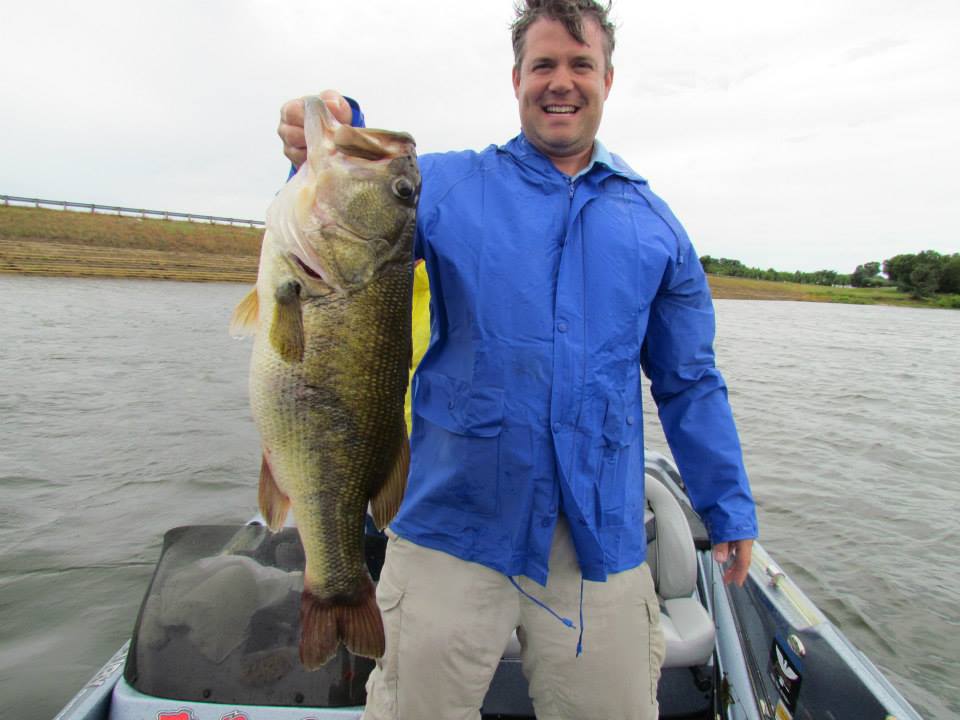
pixel 555 275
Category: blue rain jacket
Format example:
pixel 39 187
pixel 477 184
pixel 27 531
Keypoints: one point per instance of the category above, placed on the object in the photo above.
pixel 548 296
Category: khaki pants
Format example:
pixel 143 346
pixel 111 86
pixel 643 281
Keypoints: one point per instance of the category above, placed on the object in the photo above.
pixel 447 622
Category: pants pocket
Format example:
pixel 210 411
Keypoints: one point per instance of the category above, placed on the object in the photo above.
pixel 382 685
pixel 656 644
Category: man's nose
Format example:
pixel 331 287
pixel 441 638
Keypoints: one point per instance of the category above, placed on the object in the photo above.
pixel 561 80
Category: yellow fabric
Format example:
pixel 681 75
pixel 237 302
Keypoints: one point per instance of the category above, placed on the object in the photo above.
pixel 421 330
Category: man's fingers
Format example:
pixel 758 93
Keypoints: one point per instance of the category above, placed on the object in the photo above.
pixel 338 106
pixel 292 113
pixel 294 143
pixel 291 131
pixel 292 135
pixel 740 551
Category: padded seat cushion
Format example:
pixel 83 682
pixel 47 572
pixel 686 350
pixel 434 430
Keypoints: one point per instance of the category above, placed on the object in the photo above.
pixel 687 627
pixel 688 631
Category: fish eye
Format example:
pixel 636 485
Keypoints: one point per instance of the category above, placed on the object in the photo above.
pixel 403 188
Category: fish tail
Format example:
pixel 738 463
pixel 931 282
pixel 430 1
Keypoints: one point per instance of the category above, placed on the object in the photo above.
pixel 354 621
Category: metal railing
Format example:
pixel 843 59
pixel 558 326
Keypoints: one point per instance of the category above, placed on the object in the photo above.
pixel 128 212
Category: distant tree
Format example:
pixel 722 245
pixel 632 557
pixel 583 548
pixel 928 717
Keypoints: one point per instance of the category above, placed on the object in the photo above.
pixel 924 280
pixel 865 275
pixel 950 275
pixel 824 277
pixel 917 274
pixel 898 269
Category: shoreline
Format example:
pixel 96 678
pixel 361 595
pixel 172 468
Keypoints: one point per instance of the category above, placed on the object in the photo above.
pixel 54 258
pixel 60 259
pixel 60 243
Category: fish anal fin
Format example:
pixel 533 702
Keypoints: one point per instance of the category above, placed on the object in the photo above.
pixel 386 501
pixel 325 623
pixel 286 329
pixel 274 505
pixel 244 319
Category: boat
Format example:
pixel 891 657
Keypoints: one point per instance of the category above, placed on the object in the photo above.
pixel 216 636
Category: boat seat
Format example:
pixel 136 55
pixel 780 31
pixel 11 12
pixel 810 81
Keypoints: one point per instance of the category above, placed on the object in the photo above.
pixel 687 627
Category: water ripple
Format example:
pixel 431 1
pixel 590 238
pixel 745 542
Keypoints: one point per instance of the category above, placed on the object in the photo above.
pixel 130 416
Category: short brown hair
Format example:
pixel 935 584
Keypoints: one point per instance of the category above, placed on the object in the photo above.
pixel 569 12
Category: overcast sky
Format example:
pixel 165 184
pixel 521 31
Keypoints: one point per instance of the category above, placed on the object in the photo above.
pixel 809 135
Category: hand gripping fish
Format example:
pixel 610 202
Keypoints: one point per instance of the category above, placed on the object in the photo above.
pixel 331 313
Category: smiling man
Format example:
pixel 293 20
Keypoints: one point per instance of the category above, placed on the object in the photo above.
pixel 561 83
pixel 556 276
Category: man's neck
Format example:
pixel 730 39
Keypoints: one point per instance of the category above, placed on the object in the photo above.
pixel 573 164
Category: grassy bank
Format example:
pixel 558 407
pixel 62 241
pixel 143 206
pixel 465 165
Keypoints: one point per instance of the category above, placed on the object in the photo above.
pixel 37 241
pixel 732 288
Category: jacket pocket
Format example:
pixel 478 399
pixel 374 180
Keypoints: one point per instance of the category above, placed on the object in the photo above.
pixel 623 421
pixel 457 407
pixel 618 473
pixel 457 440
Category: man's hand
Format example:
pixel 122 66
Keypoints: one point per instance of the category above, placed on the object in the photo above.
pixel 291 124
pixel 740 552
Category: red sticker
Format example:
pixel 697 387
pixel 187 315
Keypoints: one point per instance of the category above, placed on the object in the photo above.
pixel 184 714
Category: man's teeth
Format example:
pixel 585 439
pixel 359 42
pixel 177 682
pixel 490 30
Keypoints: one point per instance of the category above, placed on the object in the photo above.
pixel 567 109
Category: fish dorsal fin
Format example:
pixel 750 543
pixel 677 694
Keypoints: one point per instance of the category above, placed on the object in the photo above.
pixel 387 500
pixel 244 319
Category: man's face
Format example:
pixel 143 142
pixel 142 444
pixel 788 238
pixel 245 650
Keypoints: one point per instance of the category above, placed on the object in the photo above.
pixel 561 86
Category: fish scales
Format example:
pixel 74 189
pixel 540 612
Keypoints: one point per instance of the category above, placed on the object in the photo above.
pixel 332 315
pixel 333 412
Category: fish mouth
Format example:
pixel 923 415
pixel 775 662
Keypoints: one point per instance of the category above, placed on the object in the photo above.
pixel 309 271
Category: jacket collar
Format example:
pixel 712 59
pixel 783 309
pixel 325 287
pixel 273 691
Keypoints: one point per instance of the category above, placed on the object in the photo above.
pixel 602 160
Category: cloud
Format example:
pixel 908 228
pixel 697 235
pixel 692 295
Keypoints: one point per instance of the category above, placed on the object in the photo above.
pixel 799 136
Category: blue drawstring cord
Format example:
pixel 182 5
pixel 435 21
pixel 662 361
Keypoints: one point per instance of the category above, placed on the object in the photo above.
pixel 566 621
pixel 580 640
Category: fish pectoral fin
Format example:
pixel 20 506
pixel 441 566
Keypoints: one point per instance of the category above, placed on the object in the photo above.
pixel 286 329
pixel 386 501
pixel 244 319
pixel 274 505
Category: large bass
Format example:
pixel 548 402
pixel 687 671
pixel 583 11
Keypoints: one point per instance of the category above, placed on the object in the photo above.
pixel 331 313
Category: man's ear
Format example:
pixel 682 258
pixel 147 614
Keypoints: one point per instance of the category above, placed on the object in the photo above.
pixel 516 82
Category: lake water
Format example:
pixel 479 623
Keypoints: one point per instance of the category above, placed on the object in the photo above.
pixel 123 412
